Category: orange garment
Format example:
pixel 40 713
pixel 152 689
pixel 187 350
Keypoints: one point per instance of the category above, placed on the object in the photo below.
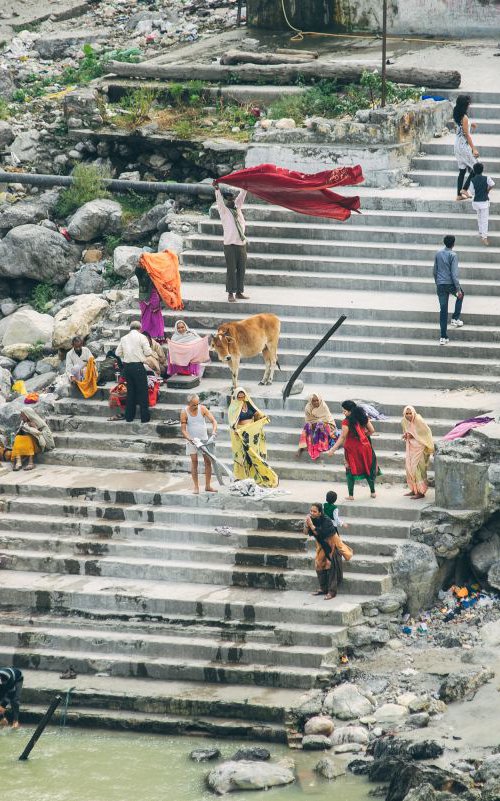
pixel 88 386
pixel 163 269
pixel 24 445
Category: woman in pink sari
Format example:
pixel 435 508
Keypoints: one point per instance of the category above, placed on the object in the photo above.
pixel 320 430
pixel 184 335
pixel 419 447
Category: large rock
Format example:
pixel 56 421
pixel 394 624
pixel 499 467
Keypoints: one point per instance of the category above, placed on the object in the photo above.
pixel 252 753
pixel 57 45
pixel 347 702
pixel 327 768
pixel 147 224
pixel 490 769
pixel 390 713
pixel 171 241
pixel 416 571
pixel 27 212
pixel 461 685
pixel 32 251
pixel 24 148
pixel 94 219
pixel 88 280
pixel 483 555
pixel 316 742
pixel 77 319
pixel 40 382
pixel 8 306
pixel 232 776
pixel 5 382
pixel 6 134
pixel 9 412
pixel 204 754
pixel 28 326
pixel 494 575
pixel 319 724
pixel 126 259
pixel 350 734
pixel 491 790
pixel 24 370
pixel 17 352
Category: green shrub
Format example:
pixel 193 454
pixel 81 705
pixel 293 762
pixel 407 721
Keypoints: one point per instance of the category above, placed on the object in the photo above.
pixel 111 278
pixel 88 185
pixel 112 241
pixel 19 96
pixel 138 105
pixel 134 205
pixel 42 294
pixel 90 67
pixel 36 351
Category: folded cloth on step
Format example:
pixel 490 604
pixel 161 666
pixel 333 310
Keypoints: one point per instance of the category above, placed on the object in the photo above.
pixel 298 191
pixel 184 353
pixel 163 269
pixel 463 428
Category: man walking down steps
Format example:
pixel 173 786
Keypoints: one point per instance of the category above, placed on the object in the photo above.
pixel 447 283
pixel 235 243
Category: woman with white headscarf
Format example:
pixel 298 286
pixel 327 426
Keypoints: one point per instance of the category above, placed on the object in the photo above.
pixel 33 436
pixel 184 336
pixel 320 430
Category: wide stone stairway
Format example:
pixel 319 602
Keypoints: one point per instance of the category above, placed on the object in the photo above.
pixel 194 614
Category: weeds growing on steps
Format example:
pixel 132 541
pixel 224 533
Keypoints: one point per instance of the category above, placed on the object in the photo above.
pixel 325 99
pixel 88 185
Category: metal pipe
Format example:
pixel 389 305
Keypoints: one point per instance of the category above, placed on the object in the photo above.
pixel 40 728
pixel 114 184
pixel 384 53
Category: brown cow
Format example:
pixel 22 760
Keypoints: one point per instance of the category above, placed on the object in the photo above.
pixel 257 334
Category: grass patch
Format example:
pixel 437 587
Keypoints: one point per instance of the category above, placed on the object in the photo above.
pixel 36 351
pixel 112 241
pixel 111 278
pixel 134 205
pixel 325 99
pixel 4 110
pixel 138 106
pixel 88 185
pixel 42 295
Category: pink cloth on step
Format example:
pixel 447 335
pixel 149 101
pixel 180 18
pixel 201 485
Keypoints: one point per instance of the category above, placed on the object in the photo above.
pixel 184 353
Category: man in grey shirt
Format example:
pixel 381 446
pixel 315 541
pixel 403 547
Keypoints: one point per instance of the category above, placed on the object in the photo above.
pixel 447 283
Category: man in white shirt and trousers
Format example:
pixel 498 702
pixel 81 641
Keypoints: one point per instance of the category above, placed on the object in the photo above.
pixel 235 243
pixel 133 349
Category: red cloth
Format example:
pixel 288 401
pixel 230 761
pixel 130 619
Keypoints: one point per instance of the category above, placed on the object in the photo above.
pixel 306 194
pixel 359 453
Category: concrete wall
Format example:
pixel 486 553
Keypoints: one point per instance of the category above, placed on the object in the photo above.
pixel 435 17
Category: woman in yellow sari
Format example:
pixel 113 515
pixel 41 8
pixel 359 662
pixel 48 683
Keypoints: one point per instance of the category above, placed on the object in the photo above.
pixel 33 436
pixel 248 440
pixel 419 447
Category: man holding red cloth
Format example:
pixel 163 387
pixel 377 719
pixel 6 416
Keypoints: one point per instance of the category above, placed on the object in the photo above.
pixel 235 243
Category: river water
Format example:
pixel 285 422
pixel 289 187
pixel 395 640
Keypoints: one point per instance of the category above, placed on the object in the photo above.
pixel 82 765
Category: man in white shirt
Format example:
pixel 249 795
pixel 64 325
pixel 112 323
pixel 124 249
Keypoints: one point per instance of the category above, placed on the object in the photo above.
pixel 235 243
pixel 133 349
pixel 76 360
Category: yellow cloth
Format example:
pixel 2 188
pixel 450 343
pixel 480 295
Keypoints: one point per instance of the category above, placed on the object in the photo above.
pixel 248 444
pixel 88 386
pixel 24 445
pixel 19 387
pixel 418 428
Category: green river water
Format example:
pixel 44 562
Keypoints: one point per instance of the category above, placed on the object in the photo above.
pixel 83 765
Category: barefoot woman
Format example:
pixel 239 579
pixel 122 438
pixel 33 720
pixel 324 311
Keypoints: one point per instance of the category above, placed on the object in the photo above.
pixel 360 459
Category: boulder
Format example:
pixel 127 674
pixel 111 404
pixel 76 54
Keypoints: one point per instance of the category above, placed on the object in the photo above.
pixel 7 363
pixel 9 412
pixel 391 747
pixel 146 224
pixel 28 212
pixel 491 790
pixel 415 570
pixel 204 754
pixel 350 734
pixel 17 352
pixel 390 602
pixel 409 776
pixel 28 326
pixel 126 259
pixel 94 219
pixel 171 241
pixel 6 134
pixel 32 251
pixel 88 280
pixel 47 365
pixel 24 370
pixel 419 720
pixel 327 768
pixel 232 776
pixel 5 382
pixel 24 148
pixel 494 575
pixel 77 319
pixel 489 770
pixel 316 742
pixel 347 702
pixel 360 636
pixel 252 752
pixel 349 748
pixel 54 46
pixel 390 713
pixel 92 255
pixel 320 724
pixel 483 556
pixel 8 306
pixel 40 382
pixel 463 685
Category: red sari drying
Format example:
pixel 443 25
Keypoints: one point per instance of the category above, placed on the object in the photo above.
pixel 298 191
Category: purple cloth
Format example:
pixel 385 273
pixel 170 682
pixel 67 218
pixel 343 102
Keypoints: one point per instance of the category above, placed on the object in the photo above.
pixel 189 369
pixel 463 428
pixel 152 316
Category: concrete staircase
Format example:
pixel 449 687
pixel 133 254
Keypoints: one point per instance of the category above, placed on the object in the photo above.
pixel 111 565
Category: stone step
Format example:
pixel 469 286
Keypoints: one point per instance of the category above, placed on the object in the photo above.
pixel 442 179
pixel 464 218
pixel 352 233
pixel 447 163
pixel 413 245
pixel 213 572
pixel 108 645
pixel 389 268
pixel 143 599
pixel 374 282
pixel 164 669
pixel 487 147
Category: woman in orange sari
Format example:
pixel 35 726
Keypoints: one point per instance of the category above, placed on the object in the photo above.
pixel 419 447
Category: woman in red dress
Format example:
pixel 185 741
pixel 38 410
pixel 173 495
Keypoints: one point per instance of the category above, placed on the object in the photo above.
pixel 360 459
